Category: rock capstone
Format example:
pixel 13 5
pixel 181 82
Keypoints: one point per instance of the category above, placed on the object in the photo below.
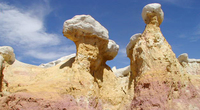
pixel 158 77
pixel 8 54
pixel 150 11
pixel 92 42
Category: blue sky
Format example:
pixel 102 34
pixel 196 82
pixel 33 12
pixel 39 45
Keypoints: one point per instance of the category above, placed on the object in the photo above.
pixel 34 27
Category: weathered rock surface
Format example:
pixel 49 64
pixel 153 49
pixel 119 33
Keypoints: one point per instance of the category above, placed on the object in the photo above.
pixel 7 56
pixel 93 50
pixel 92 42
pixel 150 10
pixel 155 79
pixel 191 65
pixel 54 63
pixel 57 87
pixel 160 82
pixel 121 72
pixel 132 42
pixel 7 53
pixel 82 82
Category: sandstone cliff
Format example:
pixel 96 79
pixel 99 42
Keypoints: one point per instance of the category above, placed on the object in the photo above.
pixel 155 79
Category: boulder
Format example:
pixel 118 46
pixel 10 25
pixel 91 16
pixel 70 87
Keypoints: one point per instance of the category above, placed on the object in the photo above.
pixel 183 58
pixel 191 65
pixel 8 54
pixel 150 11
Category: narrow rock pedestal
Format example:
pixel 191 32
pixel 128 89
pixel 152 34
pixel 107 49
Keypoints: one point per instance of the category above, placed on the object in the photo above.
pixel 160 82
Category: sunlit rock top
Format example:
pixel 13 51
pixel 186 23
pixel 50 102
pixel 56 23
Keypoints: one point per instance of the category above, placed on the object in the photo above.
pixel 184 58
pixel 112 50
pixel 85 24
pixel 151 10
pixel 7 53
pixel 55 62
pixel 132 42
pixel 92 42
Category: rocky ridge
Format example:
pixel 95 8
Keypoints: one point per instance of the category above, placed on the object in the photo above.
pixel 155 79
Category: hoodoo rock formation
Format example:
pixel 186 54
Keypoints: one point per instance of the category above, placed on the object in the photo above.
pixel 7 56
pixel 160 82
pixel 80 82
pixel 155 78
pixel 92 43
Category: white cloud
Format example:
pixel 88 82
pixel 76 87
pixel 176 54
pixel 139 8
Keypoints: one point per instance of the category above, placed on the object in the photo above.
pixel 25 29
pixel 45 55
pixel 53 53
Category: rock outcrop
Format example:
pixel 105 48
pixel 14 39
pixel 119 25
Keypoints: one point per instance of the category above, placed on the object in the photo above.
pixel 155 79
pixel 94 48
pixel 55 62
pixel 191 65
pixel 82 82
pixel 160 82
pixel 151 10
pixel 92 43
pixel 122 72
pixel 7 56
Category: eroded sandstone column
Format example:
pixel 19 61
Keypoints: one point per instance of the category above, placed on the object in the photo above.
pixel 92 42
pixel 158 76
pixel 6 55
pixel 94 48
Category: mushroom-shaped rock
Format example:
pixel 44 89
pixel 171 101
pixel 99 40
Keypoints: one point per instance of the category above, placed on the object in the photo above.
pixel 83 25
pixel 132 42
pixel 154 66
pixel 152 11
pixel 92 42
pixel 8 54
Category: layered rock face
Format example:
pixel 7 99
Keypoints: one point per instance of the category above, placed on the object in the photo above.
pixel 94 48
pixel 80 82
pixel 160 82
pixel 155 79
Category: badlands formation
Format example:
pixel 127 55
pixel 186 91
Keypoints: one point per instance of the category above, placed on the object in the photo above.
pixel 155 79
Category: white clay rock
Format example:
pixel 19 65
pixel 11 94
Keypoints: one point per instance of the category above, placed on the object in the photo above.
pixel 150 9
pixel 132 42
pixel 7 53
pixel 84 24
